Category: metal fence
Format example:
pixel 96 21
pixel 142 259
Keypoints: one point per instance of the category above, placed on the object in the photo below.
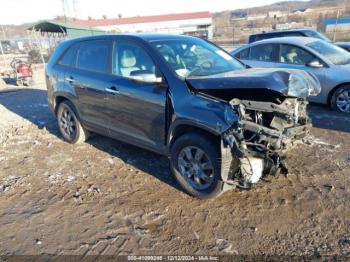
pixel 34 48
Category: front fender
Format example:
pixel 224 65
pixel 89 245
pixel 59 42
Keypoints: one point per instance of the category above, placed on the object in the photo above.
pixel 201 112
pixel 198 112
pixel 179 123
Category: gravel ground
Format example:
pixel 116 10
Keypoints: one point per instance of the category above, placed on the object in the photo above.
pixel 107 197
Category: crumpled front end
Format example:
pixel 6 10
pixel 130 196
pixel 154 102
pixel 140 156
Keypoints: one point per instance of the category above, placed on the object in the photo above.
pixel 265 113
pixel 254 146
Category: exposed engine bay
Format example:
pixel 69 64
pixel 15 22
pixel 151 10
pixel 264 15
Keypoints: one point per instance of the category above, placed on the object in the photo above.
pixel 260 137
pixel 266 113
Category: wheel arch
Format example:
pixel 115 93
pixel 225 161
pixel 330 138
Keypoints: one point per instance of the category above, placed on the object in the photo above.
pixel 58 100
pixel 186 127
pixel 63 96
pixel 331 93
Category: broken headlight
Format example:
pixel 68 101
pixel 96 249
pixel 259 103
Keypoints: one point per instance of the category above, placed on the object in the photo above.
pixel 303 85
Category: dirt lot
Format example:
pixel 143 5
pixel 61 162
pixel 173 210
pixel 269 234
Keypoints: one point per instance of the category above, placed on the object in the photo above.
pixel 106 197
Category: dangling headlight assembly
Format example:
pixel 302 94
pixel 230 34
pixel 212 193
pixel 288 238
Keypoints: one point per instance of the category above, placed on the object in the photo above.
pixel 303 85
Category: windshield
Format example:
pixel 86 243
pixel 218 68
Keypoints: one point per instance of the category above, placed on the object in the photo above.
pixel 315 34
pixel 195 57
pixel 333 53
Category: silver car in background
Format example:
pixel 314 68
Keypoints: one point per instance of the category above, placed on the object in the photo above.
pixel 329 63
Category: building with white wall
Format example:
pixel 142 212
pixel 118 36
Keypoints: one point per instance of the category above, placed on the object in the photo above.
pixel 338 25
pixel 197 24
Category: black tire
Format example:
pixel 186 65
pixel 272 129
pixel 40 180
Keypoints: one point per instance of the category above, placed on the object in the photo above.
pixel 212 153
pixel 335 96
pixel 80 134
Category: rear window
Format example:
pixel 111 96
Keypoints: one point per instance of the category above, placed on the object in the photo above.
pixel 252 38
pixel 260 37
pixel 69 57
pixel 315 34
pixel 95 56
pixel 266 36
pixel 292 34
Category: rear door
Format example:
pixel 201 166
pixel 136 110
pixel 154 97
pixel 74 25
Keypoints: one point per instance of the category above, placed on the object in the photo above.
pixel 64 66
pixel 136 109
pixel 89 79
pixel 263 55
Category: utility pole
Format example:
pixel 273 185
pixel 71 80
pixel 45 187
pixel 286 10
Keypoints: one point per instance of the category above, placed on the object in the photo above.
pixel 75 8
pixel 233 33
pixel 64 10
pixel 1 48
pixel 335 26
pixel 70 8
pixel 3 32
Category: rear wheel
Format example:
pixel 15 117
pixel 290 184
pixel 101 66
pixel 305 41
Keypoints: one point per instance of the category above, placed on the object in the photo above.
pixel 341 100
pixel 195 164
pixel 69 124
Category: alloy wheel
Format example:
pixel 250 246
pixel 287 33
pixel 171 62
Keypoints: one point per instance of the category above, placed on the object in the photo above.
pixel 343 101
pixel 196 167
pixel 67 123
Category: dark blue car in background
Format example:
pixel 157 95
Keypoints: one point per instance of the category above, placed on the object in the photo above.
pixel 303 32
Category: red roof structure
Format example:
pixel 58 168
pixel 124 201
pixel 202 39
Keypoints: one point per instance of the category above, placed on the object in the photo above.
pixel 141 19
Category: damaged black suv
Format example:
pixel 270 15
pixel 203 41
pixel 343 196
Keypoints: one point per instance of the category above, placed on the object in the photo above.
pixel 221 125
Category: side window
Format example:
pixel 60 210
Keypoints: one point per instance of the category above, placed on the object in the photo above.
pixel 263 53
pixel 244 54
pixel 294 55
pixel 260 37
pixel 276 35
pixel 70 56
pixel 94 55
pixel 252 38
pixel 129 58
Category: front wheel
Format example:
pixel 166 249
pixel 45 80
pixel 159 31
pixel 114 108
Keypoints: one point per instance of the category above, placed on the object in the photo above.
pixel 195 164
pixel 341 100
pixel 69 124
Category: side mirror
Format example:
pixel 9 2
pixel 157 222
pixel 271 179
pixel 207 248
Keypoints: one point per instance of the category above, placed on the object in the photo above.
pixel 315 64
pixel 145 76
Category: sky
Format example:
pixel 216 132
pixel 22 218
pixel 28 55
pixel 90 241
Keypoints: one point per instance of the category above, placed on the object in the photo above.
pixel 21 11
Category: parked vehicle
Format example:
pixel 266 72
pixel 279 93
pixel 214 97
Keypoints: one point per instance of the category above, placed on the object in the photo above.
pixel 180 96
pixel 344 45
pixel 305 32
pixel 331 64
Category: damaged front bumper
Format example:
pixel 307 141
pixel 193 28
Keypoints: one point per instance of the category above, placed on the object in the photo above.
pixel 254 146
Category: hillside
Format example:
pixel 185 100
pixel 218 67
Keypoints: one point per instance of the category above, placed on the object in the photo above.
pixel 236 25
pixel 289 6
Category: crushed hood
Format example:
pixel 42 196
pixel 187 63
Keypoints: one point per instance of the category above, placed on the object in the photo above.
pixel 261 84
